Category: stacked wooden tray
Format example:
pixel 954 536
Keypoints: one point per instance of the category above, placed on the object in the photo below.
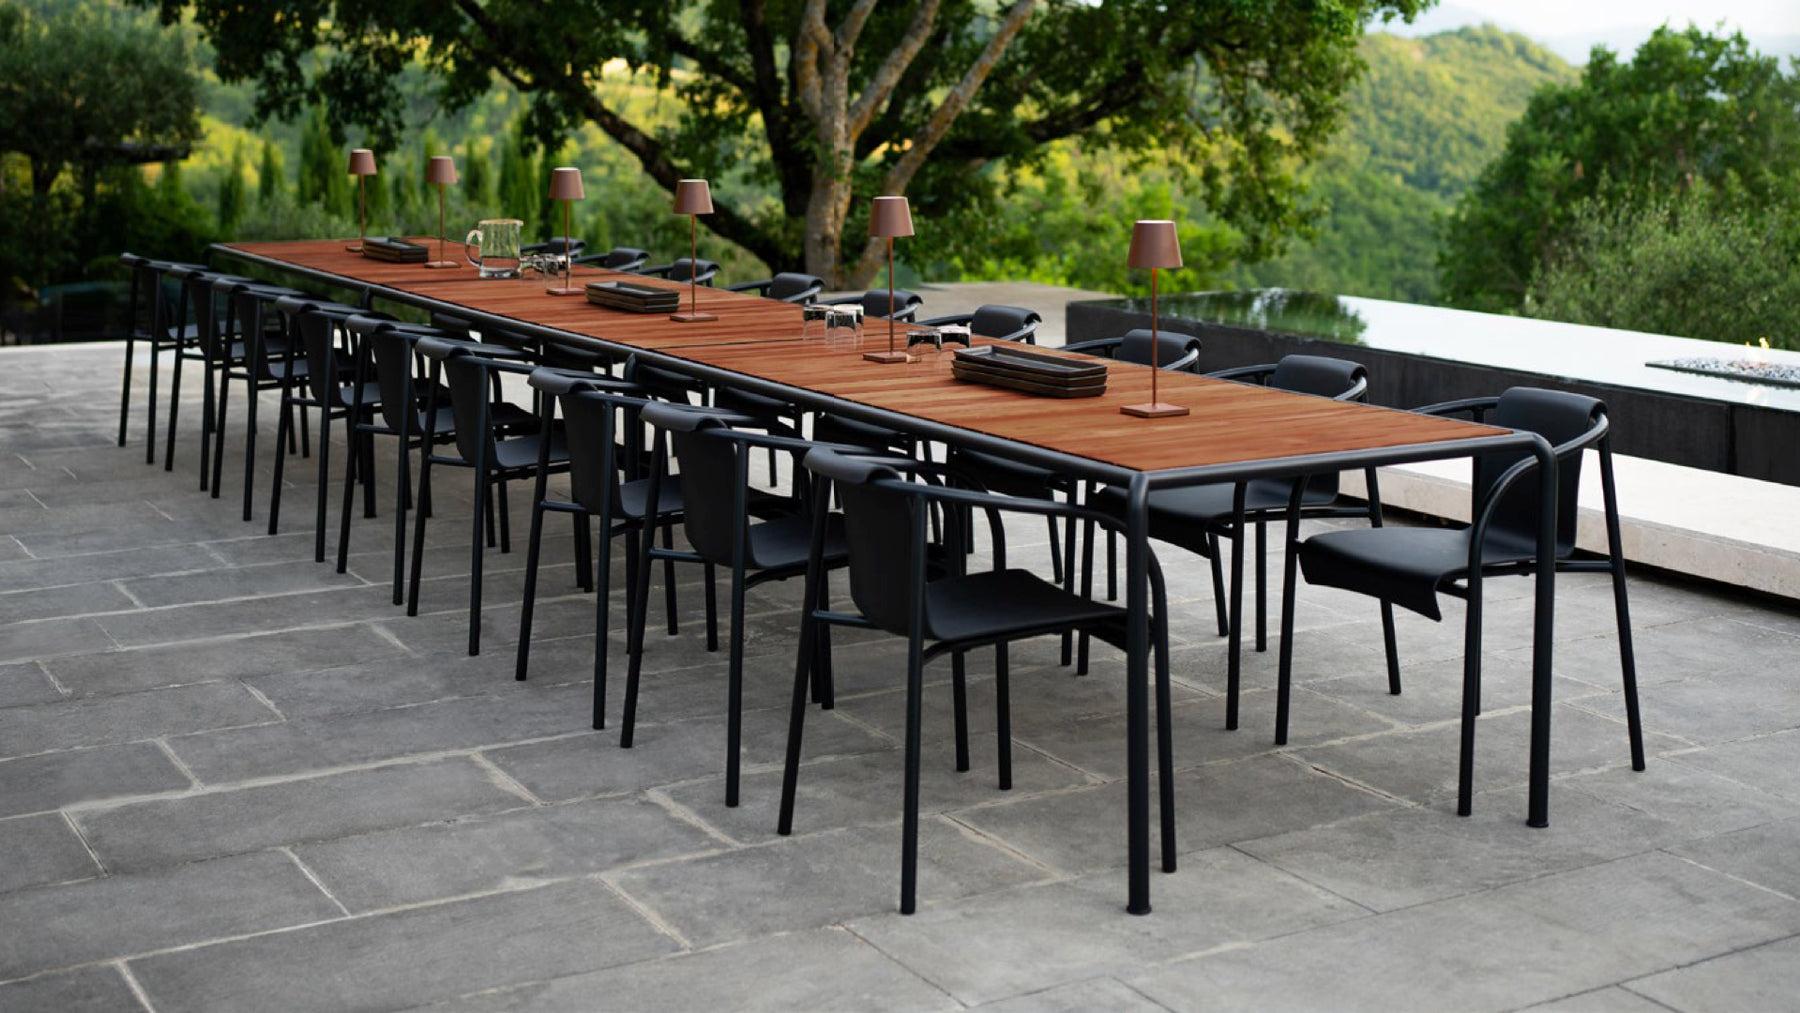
pixel 632 298
pixel 1030 371
pixel 394 251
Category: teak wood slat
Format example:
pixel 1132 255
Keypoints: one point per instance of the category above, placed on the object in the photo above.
pixel 761 338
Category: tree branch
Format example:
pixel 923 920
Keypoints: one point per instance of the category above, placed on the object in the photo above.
pixel 881 85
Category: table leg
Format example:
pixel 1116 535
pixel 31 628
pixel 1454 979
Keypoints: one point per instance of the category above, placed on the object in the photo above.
pixel 1543 631
pixel 1137 736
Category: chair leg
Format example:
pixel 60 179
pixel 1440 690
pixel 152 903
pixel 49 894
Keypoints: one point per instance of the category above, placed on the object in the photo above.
pixel 1262 587
pixel 282 432
pixel 523 658
pixel 155 366
pixel 1056 559
pixel 418 541
pixel 505 511
pixel 1391 646
pixel 790 771
pixel 1218 580
pixel 208 405
pixel 1465 769
pixel 584 560
pixel 602 619
pixel 174 408
pixel 1003 713
pixel 669 605
pixel 824 693
pixel 305 433
pixel 366 455
pixel 712 606
pixel 402 500
pixel 482 501
pixel 1234 638
pixel 1165 748
pixel 218 450
pixel 734 688
pixel 359 452
pixel 959 692
pixel 125 393
pixel 325 480
pixel 1615 551
pixel 1068 577
pixel 909 828
pixel 1087 591
pixel 1285 654
pixel 251 402
pixel 1112 565
pixel 640 607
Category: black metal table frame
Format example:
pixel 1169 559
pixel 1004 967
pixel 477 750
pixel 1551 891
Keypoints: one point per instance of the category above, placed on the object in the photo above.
pixel 1138 486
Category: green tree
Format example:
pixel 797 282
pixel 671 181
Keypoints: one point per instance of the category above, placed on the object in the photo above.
pixel 271 176
pixel 323 179
pixel 1690 108
pixel 802 111
pixel 232 199
pixel 1689 263
pixel 518 194
pixel 477 178
pixel 79 89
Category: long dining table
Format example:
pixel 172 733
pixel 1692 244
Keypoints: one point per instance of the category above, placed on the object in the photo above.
pixel 1234 433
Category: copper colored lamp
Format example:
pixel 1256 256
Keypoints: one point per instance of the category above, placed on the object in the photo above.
pixel 1154 245
pixel 890 217
pixel 565 186
pixel 441 170
pixel 693 197
pixel 362 166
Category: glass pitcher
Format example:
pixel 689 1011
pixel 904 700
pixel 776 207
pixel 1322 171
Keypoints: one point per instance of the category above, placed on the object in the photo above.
pixel 496 245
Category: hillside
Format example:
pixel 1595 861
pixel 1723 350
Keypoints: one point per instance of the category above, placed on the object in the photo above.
pixel 1428 115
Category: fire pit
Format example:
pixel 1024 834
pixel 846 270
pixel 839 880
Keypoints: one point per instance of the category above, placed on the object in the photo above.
pixel 1755 369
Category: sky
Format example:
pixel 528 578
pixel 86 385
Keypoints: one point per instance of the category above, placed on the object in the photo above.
pixel 1572 27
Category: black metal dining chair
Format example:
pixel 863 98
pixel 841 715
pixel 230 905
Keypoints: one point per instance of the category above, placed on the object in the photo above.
pixel 1198 518
pixel 875 303
pixel 155 313
pixel 720 518
pixel 1002 323
pixel 233 356
pixel 619 258
pixel 684 270
pixel 1411 567
pixel 786 287
pixel 884 532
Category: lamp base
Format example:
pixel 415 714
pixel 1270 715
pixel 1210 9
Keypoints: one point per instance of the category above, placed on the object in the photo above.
pixel 442 264
pixel 353 248
pixel 566 290
pixel 1153 410
pixel 889 357
pixel 688 318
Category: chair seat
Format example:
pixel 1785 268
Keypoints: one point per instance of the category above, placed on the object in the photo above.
pixel 634 497
pixel 1186 516
pixel 522 451
pixel 785 541
pixel 998 603
pixel 1004 475
pixel 1405 566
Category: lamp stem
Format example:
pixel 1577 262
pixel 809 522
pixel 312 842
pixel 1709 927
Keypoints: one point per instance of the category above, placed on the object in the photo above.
pixel 1154 368
pixel 890 240
pixel 440 221
pixel 568 249
pixel 693 266
pixel 362 212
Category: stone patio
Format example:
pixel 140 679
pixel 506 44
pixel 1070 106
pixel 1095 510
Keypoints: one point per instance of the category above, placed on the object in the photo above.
pixel 233 779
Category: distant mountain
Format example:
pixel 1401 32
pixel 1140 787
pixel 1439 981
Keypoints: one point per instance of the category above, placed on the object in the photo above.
pixel 1623 38
pixel 1421 124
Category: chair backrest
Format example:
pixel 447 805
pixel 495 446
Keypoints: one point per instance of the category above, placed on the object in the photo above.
pixel 686 269
pixel 710 475
pixel 1170 346
pixel 592 428
pixel 790 285
pixel 875 303
pixel 559 245
pixel 623 258
pixel 1558 416
pixel 878 531
pixel 466 376
pixel 1319 375
pixel 318 335
pixel 999 321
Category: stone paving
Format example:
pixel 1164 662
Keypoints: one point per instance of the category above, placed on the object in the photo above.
pixel 233 779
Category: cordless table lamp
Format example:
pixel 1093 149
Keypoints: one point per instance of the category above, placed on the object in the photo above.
pixel 565 186
pixel 362 166
pixel 1154 245
pixel 441 170
pixel 693 197
pixel 890 217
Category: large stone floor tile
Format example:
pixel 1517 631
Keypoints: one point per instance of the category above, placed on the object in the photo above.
pixel 1768 855
pixel 42 849
pixel 437 860
pixel 1420 764
pixel 868 788
pixel 1767 763
pixel 825 970
pixel 582 766
pixel 40 573
pixel 1001 944
pixel 48 638
pixel 97 989
pixel 182 664
pixel 1762 979
pixel 53 780
pixel 217 584
pixel 123 915
pixel 67 724
pixel 1084 829
pixel 24 683
pixel 1502 949
pixel 167 831
pixel 75 599
pixel 1720 706
pixel 1693 803
pixel 816 880
pixel 515 712
pixel 1095 995
pixel 381 962
pixel 1612 999
pixel 329 607
pixel 1679 650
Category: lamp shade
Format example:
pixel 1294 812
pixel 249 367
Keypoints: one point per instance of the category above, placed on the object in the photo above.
pixel 362 162
pixel 565 184
pixel 440 170
pixel 891 216
pixel 693 197
pixel 1154 244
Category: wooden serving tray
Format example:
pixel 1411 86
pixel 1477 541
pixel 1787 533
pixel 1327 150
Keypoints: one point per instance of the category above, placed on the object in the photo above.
pixel 624 295
pixel 394 251
pixel 1011 380
pixel 1030 364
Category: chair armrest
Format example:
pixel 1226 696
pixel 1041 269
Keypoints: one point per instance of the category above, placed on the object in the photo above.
pixel 1356 391
pixel 552 380
pixel 1258 372
pixel 1475 406
pixel 1102 347
pixel 1185 364
pixel 656 271
pixel 758 286
pixel 954 318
